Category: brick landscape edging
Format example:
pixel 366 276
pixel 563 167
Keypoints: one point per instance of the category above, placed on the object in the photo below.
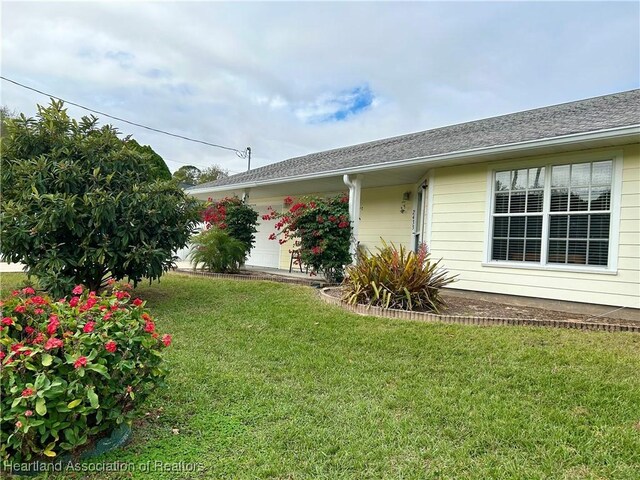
pixel 468 320
pixel 239 276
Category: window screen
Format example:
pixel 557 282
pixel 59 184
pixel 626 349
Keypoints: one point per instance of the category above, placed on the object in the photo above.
pixel 517 222
pixel 580 215
pixel 569 213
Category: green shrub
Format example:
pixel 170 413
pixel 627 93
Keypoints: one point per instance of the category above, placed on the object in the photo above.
pixel 73 369
pixel 235 217
pixel 396 278
pixel 80 204
pixel 320 228
pixel 217 251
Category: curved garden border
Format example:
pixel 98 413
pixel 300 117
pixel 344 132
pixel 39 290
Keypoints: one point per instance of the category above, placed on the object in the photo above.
pixel 469 320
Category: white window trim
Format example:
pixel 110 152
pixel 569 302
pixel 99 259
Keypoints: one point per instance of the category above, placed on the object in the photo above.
pixel 429 212
pixel 614 232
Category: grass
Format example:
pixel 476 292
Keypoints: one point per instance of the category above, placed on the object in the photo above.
pixel 269 382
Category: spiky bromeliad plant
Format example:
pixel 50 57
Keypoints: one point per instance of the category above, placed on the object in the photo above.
pixel 396 278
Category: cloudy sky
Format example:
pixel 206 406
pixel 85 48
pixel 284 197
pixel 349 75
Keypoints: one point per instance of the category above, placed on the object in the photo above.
pixel 293 78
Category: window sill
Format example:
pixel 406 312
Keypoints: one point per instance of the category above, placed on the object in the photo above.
pixel 550 268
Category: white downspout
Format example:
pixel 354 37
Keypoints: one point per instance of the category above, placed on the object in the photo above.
pixel 355 186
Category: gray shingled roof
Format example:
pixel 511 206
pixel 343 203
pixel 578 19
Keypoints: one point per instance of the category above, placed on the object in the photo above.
pixel 599 113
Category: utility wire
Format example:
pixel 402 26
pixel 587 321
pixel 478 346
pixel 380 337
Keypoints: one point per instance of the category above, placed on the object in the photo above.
pixel 240 153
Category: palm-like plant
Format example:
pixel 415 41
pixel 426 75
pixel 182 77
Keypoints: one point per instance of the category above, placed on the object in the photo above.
pixel 396 278
pixel 217 251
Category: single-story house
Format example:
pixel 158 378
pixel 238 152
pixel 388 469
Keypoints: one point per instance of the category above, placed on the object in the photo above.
pixel 542 203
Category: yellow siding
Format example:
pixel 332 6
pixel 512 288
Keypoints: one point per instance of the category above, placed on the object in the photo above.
pixel 380 215
pixel 459 235
pixel 458 229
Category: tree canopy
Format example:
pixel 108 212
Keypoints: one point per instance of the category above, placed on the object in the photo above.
pixel 194 176
pixel 156 162
pixel 5 114
pixel 79 204
pixel 187 174
pixel 211 174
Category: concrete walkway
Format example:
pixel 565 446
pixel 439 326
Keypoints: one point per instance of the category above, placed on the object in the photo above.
pixel 266 270
pixel 590 309
pixel 284 273
pixel 17 267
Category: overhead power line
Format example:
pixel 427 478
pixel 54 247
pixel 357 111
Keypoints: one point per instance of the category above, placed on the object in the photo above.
pixel 241 153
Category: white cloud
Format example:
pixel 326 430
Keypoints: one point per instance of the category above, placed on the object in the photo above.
pixel 267 74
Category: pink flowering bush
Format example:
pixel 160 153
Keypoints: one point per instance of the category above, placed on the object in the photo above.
pixel 234 217
pixel 320 229
pixel 73 369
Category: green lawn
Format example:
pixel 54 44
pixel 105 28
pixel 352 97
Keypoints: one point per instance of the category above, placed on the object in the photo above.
pixel 269 382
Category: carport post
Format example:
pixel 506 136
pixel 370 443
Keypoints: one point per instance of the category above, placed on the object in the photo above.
pixel 355 185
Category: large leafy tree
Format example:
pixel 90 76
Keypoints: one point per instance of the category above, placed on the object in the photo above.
pixel 155 161
pixel 187 174
pixel 211 174
pixel 5 115
pixel 191 175
pixel 79 204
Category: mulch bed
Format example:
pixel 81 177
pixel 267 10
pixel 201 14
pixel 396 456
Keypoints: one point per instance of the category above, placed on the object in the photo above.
pixel 461 306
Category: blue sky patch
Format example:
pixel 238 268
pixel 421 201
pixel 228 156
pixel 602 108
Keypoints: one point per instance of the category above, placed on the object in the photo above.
pixel 337 107
pixel 359 99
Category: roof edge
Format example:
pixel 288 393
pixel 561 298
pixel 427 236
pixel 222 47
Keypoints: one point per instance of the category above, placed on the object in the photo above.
pixel 617 132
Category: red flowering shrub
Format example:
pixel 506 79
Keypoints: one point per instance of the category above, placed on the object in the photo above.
pixel 73 369
pixel 320 229
pixel 234 217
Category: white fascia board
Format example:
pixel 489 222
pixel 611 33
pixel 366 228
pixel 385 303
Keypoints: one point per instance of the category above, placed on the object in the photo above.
pixel 612 133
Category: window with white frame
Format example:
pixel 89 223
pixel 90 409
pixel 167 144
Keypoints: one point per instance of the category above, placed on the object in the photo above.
pixel 554 214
